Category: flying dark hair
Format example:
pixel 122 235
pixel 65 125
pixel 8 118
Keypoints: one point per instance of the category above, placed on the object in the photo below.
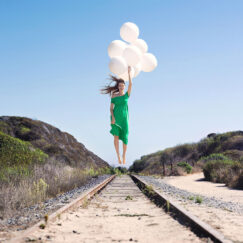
pixel 112 89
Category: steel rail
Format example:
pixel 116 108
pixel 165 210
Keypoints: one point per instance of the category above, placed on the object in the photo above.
pixel 196 225
pixel 74 204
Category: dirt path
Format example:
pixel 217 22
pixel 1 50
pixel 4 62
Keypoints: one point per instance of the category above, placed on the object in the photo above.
pixel 230 224
pixel 109 217
pixel 195 183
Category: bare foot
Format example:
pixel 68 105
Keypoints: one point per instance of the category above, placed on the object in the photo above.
pixel 119 159
pixel 124 159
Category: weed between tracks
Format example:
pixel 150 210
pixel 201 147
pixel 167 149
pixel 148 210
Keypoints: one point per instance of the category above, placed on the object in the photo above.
pixel 198 199
pixel 85 203
pixel 128 197
pixel 148 189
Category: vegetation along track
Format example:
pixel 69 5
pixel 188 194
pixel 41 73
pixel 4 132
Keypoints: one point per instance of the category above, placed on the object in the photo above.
pixel 118 211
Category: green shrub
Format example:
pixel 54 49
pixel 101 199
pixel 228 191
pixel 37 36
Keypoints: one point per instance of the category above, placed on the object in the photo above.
pixel 39 189
pixel 183 150
pixel 221 171
pixel 106 170
pixel 214 156
pixel 13 173
pixel 17 157
pixel 207 146
pixel 14 151
pixel 123 170
pixel 4 127
pixel 138 165
pixel 187 167
pixel 198 199
pixel 24 129
pixel 91 172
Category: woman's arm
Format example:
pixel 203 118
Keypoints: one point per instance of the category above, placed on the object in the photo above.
pixel 130 81
pixel 111 110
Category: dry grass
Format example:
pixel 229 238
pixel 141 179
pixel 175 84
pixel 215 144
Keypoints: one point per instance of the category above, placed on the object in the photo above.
pixel 197 168
pixel 46 181
pixel 179 171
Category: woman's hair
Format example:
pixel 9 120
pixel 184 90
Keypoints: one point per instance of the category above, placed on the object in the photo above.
pixel 112 89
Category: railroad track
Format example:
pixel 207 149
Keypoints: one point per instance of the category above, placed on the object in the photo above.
pixel 121 209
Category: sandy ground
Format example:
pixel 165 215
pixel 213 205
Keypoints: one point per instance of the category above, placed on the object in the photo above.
pixel 230 224
pixel 108 217
pixel 194 183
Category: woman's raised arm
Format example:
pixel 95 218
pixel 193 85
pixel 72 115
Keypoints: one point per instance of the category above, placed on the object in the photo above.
pixel 130 81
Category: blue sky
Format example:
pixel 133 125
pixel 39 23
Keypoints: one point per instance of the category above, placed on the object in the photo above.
pixel 53 61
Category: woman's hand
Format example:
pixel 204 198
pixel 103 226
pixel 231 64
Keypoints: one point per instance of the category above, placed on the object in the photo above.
pixel 113 121
pixel 129 76
pixel 129 69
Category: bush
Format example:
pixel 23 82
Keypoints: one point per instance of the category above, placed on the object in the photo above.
pixel 214 156
pixel 198 199
pixel 183 150
pixel 237 181
pixel 106 170
pixel 17 158
pixel 207 146
pixel 38 191
pixel 14 151
pixel 234 154
pixel 216 170
pixel 221 169
pixel 138 165
pixel 187 167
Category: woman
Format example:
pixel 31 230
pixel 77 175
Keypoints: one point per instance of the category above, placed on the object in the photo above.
pixel 119 113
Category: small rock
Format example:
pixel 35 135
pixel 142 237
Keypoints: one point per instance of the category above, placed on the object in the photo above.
pixel 74 231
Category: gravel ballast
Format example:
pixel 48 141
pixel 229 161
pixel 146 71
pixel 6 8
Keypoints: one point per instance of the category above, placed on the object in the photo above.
pixel 189 197
pixel 30 215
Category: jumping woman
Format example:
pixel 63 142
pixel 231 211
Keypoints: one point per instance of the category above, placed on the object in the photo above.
pixel 119 114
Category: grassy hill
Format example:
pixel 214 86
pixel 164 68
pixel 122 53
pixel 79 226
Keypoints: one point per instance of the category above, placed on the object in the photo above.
pixel 219 156
pixel 59 145
pixel 38 161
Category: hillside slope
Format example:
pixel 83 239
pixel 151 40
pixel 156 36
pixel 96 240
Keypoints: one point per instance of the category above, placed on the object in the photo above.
pixel 164 161
pixel 59 145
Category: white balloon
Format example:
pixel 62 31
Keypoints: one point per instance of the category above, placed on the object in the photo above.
pixel 125 77
pixel 132 55
pixel 141 44
pixel 118 65
pixel 148 62
pixel 129 32
pixel 137 69
pixel 116 48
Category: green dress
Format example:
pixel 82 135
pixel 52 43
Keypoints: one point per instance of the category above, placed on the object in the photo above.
pixel 120 111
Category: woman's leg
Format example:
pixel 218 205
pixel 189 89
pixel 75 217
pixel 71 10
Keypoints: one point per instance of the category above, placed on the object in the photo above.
pixel 124 153
pixel 116 143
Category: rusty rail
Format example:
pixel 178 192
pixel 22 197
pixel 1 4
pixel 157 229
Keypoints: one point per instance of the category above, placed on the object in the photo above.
pixel 199 227
pixel 74 204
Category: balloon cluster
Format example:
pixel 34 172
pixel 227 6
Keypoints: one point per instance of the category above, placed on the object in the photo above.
pixel 134 53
